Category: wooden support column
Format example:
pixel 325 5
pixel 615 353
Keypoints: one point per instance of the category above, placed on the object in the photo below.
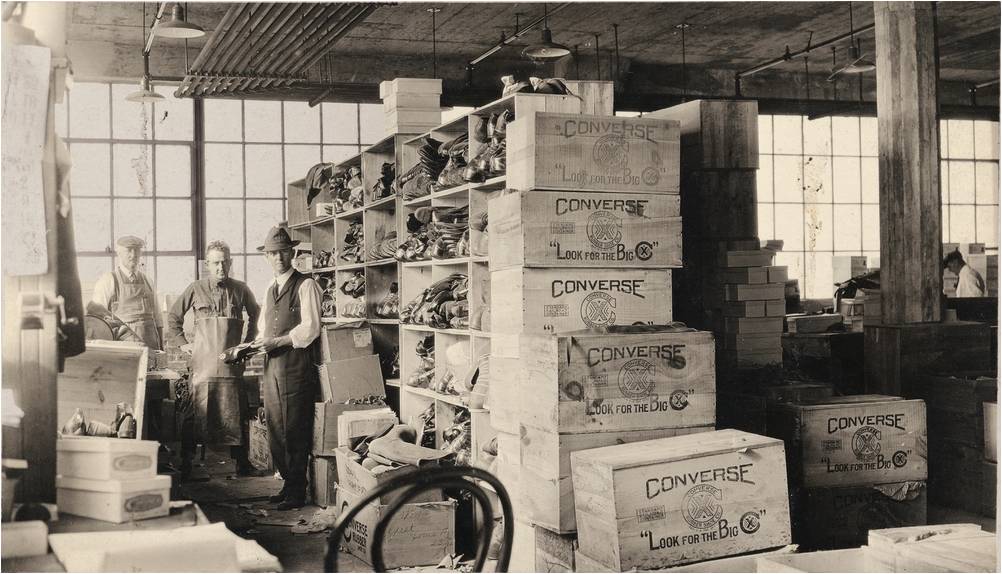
pixel 910 218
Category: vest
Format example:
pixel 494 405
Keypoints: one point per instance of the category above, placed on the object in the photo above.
pixel 283 316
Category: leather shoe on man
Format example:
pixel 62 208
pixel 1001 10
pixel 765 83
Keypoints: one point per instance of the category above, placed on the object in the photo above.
pixel 276 498
pixel 291 504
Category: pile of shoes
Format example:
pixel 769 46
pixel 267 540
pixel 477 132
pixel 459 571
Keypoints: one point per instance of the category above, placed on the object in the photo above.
pixel 389 307
pixel 457 437
pixel 417 181
pixel 319 182
pixel 354 287
pixel 347 189
pixel 489 160
pixel 455 151
pixel 427 420
pixel 390 364
pixel 415 245
pixel 123 426
pixel 323 259
pixel 386 248
pixel 535 86
pixel 386 185
pixel 449 232
pixel 443 305
pixel 425 372
pixel 399 445
pixel 479 245
pixel 328 296
pixel 354 243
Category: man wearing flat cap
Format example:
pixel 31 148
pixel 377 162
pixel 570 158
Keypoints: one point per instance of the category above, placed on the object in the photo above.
pixel 289 327
pixel 129 295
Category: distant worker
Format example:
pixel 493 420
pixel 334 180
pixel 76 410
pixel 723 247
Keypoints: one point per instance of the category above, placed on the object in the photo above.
pixel 129 295
pixel 969 281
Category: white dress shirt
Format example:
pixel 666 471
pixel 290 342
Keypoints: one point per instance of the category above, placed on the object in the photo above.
pixel 104 293
pixel 308 328
pixel 970 283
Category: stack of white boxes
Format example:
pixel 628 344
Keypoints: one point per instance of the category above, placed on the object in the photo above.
pixel 411 105
pixel 110 479
pixel 586 241
pixel 753 305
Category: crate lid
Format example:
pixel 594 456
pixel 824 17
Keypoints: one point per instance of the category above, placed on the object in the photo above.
pixel 104 444
pixel 158 482
pixel 829 402
pixel 675 448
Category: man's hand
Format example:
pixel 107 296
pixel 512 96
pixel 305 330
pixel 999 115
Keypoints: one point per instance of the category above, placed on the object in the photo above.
pixel 269 344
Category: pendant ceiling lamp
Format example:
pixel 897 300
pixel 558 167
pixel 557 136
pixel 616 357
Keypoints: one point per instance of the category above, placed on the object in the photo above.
pixel 179 28
pixel 859 64
pixel 547 50
pixel 145 94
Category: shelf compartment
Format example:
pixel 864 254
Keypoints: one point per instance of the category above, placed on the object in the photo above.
pixel 448 399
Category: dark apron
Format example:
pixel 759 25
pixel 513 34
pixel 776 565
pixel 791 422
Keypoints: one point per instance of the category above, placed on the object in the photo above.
pixel 218 397
pixel 135 306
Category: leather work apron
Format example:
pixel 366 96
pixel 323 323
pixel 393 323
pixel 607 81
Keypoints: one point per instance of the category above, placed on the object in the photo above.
pixel 217 393
pixel 135 306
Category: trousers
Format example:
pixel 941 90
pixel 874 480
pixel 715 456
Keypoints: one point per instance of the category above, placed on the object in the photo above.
pixel 289 396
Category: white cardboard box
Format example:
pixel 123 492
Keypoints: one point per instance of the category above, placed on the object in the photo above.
pixel 102 458
pixel 114 500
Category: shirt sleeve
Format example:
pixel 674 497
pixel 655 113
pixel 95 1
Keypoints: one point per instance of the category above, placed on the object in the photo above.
pixel 262 314
pixel 969 283
pixel 308 328
pixel 174 331
pixel 104 290
pixel 253 313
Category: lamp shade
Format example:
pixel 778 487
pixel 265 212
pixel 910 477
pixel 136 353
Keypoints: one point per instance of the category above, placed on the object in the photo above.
pixel 178 27
pixel 860 66
pixel 145 94
pixel 547 50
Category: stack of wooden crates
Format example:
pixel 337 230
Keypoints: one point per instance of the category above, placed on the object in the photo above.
pixel 585 239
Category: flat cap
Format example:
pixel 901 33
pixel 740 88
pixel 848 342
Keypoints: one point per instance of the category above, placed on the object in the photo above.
pixel 130 241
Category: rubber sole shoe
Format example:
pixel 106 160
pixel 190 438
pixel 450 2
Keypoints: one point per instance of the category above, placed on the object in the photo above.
pixel 291 504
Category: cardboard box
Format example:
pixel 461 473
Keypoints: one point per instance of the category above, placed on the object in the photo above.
pixel 853 441
pixel 568 229
pixel 259 451
pixel 346 341
pixel 991 411
pixel 358 378
pixel 561 300
pixel 591 382
pixel 744 275
pixel 778 274
pixel 546 468
pixel 323 480
pixel 841 517
pixel 733 358
pixel 576 152
pixel 396 86
pixel 405 100
pixel 420 534
pixel 325 425
pixel 101 458
pixel 755 342
pixel 115 501
pixel 754 326
pixel 358 480
pixel 763 292
pixel 672 501
pixel 415 116
pixel 357 424
pixel 746 258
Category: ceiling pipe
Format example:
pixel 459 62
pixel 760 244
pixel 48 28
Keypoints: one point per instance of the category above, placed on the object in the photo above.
pixel 518 34
pixel 794 55
pixel 153 27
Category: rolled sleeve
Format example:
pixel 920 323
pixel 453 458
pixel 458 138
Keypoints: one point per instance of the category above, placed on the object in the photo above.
pixel 104 290
pixel 308 329
pixel 253 314
pixel 174 332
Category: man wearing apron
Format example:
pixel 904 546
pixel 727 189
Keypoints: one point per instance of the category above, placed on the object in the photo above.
pixel 128 294
pixel 218 413
pixel 290 329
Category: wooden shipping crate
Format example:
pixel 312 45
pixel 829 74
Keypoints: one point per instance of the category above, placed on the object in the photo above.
pixel 591 382
pixel 562 300
pixel 956 405
pixel 577 152
pixel 847 560
pixel 956 477
pixel 745 409
pixel 732 358
pixel 546 468
pixel 107 373
pixel 323 476
pixel 716 134
pixel 523 548
pixel 991 421
pixel 417 116
pixel 756 342
pixel 755 309
pixel 672 501
pixel 778 274
pixel 989 488
pixel 346 341
pixel 358 480
pixel 841 517
pixel 746 258
pixel 554 551
pixel 420 534
pixel 744 275
pixel 933 548
pixel 853 441
pixel 763 292
pixel 411 100
pixel 396 86
pixel 743 563
pixel 569 229
pixel 752 326
pixel 807 324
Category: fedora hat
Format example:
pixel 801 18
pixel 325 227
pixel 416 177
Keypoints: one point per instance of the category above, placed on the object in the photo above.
pixel 277 240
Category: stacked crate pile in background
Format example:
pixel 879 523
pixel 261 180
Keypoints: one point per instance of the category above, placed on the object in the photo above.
pixel 855 463
pixel 411 105
pixel 586 239
pixel 958 423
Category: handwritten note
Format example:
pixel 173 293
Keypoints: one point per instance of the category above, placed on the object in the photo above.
pixel 24 114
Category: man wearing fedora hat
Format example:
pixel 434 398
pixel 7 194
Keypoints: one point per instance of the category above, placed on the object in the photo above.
pixel 129 295
pixel 289 327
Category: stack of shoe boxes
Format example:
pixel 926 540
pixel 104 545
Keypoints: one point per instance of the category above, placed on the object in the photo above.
pixel 411 105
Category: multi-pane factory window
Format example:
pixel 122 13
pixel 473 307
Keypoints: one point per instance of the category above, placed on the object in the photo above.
pixel 818 190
